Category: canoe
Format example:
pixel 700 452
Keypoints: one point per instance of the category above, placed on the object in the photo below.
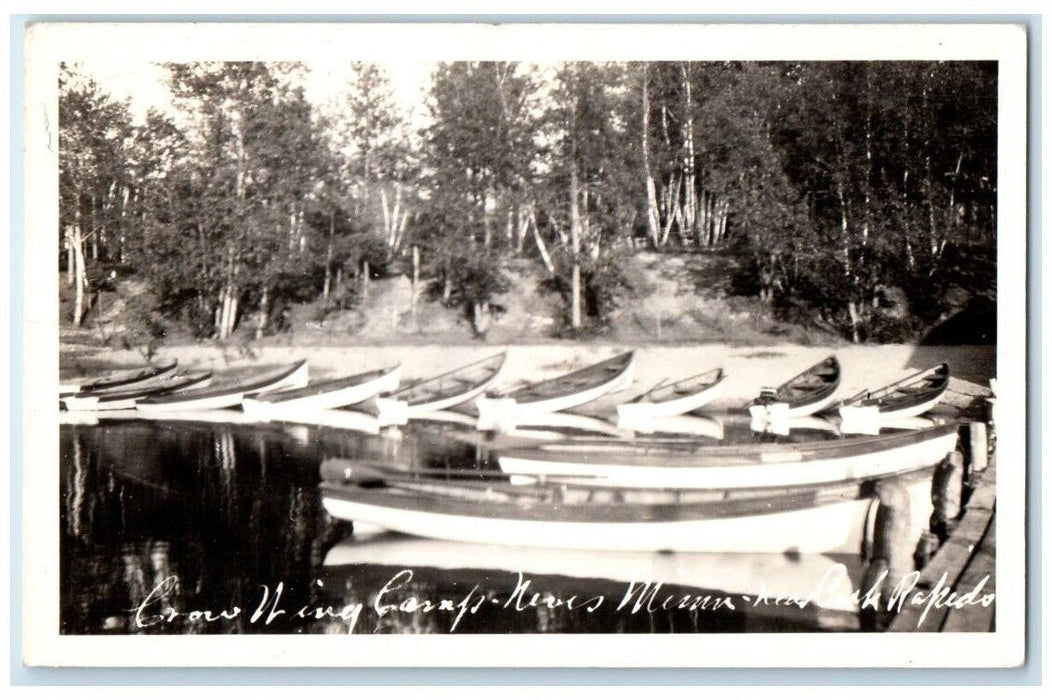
pixel 113 380
pixel 324 395
pixel 226 394
pixel 679 465
pixel 439 393
pixel 505 411
pixel 906 398
pixel 803 395
pixel 822 580
pixel 126 399
pixel 675 399
pixel 834 518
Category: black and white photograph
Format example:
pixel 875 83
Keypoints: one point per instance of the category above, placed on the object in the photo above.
pixel 656 345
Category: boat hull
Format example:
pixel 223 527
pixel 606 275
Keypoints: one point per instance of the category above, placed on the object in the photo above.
pixel 840 527
pixel 117 401
pixel 873 413
pixel 345 396
pixel 165 405
pixel 394 411
pixel 725 469
pixel 505 413
pixel 643 413
pixel 117 380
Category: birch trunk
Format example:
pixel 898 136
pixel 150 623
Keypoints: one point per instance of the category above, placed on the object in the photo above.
pixel 327 288
pixel 80 277
pixel 652 205
pixel 575 249
pixel 263 319
pixel 852 310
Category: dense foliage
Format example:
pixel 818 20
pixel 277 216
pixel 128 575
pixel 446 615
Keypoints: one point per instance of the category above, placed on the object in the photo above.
pixel 860 196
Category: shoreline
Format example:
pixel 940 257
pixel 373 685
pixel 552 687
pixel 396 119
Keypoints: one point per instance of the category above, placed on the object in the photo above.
pixel 748 367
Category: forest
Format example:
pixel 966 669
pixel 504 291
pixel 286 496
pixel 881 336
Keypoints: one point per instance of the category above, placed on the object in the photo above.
pixel 855 195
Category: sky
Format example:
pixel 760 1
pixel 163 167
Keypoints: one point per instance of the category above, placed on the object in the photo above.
pixel 144 84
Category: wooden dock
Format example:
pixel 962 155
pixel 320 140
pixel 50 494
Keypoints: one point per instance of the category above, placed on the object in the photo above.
pixel 965 559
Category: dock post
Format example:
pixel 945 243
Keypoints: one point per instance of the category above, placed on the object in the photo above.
pixel 978 447
pixel 947 486
pixel 892 552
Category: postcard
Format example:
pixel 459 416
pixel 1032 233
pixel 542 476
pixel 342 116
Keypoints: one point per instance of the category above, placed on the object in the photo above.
pixel 525 345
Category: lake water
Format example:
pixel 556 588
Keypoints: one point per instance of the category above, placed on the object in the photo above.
pixel 198 528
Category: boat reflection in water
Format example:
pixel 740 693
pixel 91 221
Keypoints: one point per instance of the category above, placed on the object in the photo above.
pixel 165 521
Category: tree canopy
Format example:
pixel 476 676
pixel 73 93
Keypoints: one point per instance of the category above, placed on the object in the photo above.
pixel 842 188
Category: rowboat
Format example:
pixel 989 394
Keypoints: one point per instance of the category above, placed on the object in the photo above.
pixel 227 394
pixel 803 395
pixel 679 465
pixel 328 394
pixel 124 399
pixel 824 581
pixel 439 393
pixel 113 380
pixel 908 397
pixel 505 411
pixel 829 519
pixel 667 400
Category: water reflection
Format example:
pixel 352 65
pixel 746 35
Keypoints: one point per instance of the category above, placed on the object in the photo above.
pixel 170 527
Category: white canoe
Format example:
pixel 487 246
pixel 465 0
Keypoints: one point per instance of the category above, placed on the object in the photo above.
pixel 127 398
pixel 506 411
pixel 805 394
pixel 226 394
pixel 119 379
pixel 324 395
pixel 440 393
pixel 652 465
pixel 909 397
pixel 667 400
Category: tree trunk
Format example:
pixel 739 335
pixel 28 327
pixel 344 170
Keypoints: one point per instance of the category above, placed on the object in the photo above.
pixel 80 277
pixel 852 310
pixel 263 318
pixel 575 250
pixel 652 206
pixel 365 281
pixel 227 311
pixel 480 317
pixel 690 219
pixel 327 288
pixel 541 248
pixel 416 283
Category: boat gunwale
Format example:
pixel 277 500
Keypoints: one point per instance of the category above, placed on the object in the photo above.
pixel 885 398
pixel 820 393
pixel 106 381
pixel 216 391
pixel 172 385
pixel 653 396
pixel 521 504
pixel 676 454
pixel 398 394
pixel 324 386
pixel 527 395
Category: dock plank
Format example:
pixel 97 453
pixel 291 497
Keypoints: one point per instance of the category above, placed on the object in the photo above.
pixel 977 618
pixel 974 531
